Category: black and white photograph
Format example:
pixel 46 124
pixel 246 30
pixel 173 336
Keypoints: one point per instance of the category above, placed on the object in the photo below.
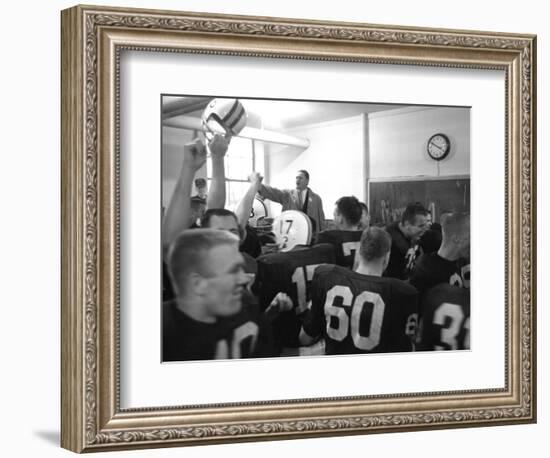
pixel 244 229
pixel 302 228
pixel 268 223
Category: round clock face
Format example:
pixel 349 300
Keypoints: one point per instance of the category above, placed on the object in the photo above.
pixel 439 146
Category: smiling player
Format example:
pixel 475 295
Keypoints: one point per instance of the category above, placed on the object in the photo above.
pixel 212 316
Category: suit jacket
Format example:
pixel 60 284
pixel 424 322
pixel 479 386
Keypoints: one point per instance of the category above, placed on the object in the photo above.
pixel 288 198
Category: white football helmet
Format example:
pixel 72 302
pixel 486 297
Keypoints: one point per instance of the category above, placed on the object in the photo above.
pixel 258 211
pixel 292 228
pixel 223 116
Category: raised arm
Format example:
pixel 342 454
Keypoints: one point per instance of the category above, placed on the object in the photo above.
pixel 245 205
pixel 274 194
pixel 216 195
pixel 178 214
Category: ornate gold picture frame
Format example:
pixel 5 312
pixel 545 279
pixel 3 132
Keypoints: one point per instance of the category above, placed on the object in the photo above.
pixel 93 39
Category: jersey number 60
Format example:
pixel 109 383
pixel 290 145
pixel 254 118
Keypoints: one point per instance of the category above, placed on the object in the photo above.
pixel 366 297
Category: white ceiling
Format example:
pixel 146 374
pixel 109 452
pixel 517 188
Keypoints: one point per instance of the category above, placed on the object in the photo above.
pixel 277 114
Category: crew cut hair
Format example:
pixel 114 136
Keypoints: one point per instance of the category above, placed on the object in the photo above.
pixel 188 253
pixel 413 209
pixel 350 208
pixel 375 244
pixel 221 212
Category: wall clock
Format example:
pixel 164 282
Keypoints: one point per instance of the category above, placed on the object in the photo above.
pixel 439 146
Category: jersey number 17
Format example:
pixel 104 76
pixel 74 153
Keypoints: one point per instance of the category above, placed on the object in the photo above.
pixel 301 278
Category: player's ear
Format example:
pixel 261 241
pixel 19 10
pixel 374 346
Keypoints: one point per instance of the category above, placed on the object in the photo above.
pixel 197 284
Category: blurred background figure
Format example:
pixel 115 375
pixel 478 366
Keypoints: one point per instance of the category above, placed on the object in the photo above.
pixel 202 190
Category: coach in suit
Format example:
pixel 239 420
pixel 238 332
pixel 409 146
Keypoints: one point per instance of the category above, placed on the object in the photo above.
pixel 302 199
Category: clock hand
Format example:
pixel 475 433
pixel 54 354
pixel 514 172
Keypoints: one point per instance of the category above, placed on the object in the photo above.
pixel 438 147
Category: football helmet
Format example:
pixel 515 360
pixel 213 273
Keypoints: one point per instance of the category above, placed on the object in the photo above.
pixel 223 116
pixel 292 228
pixel 258 212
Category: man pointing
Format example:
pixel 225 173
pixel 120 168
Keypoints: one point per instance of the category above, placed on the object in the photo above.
pixel 302 199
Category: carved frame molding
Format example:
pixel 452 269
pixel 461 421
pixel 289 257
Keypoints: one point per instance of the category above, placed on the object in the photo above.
pixel 92 39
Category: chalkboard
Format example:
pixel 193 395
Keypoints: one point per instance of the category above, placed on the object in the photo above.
pixel 388 199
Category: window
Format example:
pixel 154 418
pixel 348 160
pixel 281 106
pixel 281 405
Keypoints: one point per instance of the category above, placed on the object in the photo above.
pixel 241 159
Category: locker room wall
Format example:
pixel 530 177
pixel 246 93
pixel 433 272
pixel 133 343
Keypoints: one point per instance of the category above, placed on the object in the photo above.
pixel 335 161
pixel 397 142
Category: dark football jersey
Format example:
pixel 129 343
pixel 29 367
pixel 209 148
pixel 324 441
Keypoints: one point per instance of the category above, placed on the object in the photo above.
pixel 290 272
pixel 402 255
pixel 432 269
pixel 345 243
pixel 251 244
pixel 445 323
pixel 358 313
pixel 237 330
pixel 243 335
pixel 430 241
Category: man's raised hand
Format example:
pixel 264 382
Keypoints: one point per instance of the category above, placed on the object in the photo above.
pixel 218 145
pixel 255 180
pixel 194 154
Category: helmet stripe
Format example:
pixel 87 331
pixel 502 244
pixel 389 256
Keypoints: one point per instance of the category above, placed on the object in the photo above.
pixel 234 116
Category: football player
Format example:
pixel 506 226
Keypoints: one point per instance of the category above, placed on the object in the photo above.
pixel 212 316
pixel 290 273
pixel 430 241
pixel 251 243
pixel 450 263
pixel 361 311
pixel 226 220
pixel 345 239
pixel 221 219
pixel 405 234
pixel 183 211
pixel 445 318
